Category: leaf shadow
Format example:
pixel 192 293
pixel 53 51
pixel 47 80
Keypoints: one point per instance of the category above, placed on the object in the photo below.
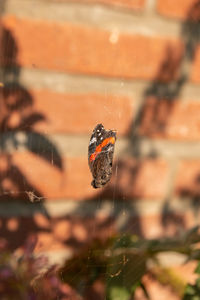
pixel 18 134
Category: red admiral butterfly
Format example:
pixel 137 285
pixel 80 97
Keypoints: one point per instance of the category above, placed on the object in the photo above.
pixel 100 155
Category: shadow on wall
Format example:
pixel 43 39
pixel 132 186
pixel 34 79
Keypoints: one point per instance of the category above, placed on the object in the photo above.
pixel 159 101
pixel 17 135
pixel 191 36
pixel 17 122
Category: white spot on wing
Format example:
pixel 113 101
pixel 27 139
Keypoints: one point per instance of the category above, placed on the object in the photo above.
pixel 93 140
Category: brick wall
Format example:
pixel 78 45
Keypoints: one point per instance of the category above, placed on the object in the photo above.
pixel 67 65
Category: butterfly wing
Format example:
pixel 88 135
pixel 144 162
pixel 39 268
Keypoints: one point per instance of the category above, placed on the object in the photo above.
pixel 100 155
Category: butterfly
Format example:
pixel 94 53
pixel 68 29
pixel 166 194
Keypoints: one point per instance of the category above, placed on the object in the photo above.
pixel 100 155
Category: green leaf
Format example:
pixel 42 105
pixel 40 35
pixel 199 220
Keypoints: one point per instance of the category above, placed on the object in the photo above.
pixel 198 283
pixel 190 290
pixel 197 270
pixel 135 286
pixel 124 272
pixel 119 293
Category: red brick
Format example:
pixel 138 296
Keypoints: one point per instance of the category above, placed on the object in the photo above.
pixel 85 50
pixel 175 119
pixel 168 225
pixel 73 182
pixel 183 9
pixel 146 179
pixel 72 232
pixel 139 179
pixel 79 113
pixel 62 233
pixel 188 179
pixel 133 4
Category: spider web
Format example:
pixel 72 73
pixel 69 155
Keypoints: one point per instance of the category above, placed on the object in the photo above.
pixel 10 127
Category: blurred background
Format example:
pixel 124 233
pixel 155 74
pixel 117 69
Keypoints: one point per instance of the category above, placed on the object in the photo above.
pixel 132 65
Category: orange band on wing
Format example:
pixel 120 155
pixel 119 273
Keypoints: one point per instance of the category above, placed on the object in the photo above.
pixel 110 140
